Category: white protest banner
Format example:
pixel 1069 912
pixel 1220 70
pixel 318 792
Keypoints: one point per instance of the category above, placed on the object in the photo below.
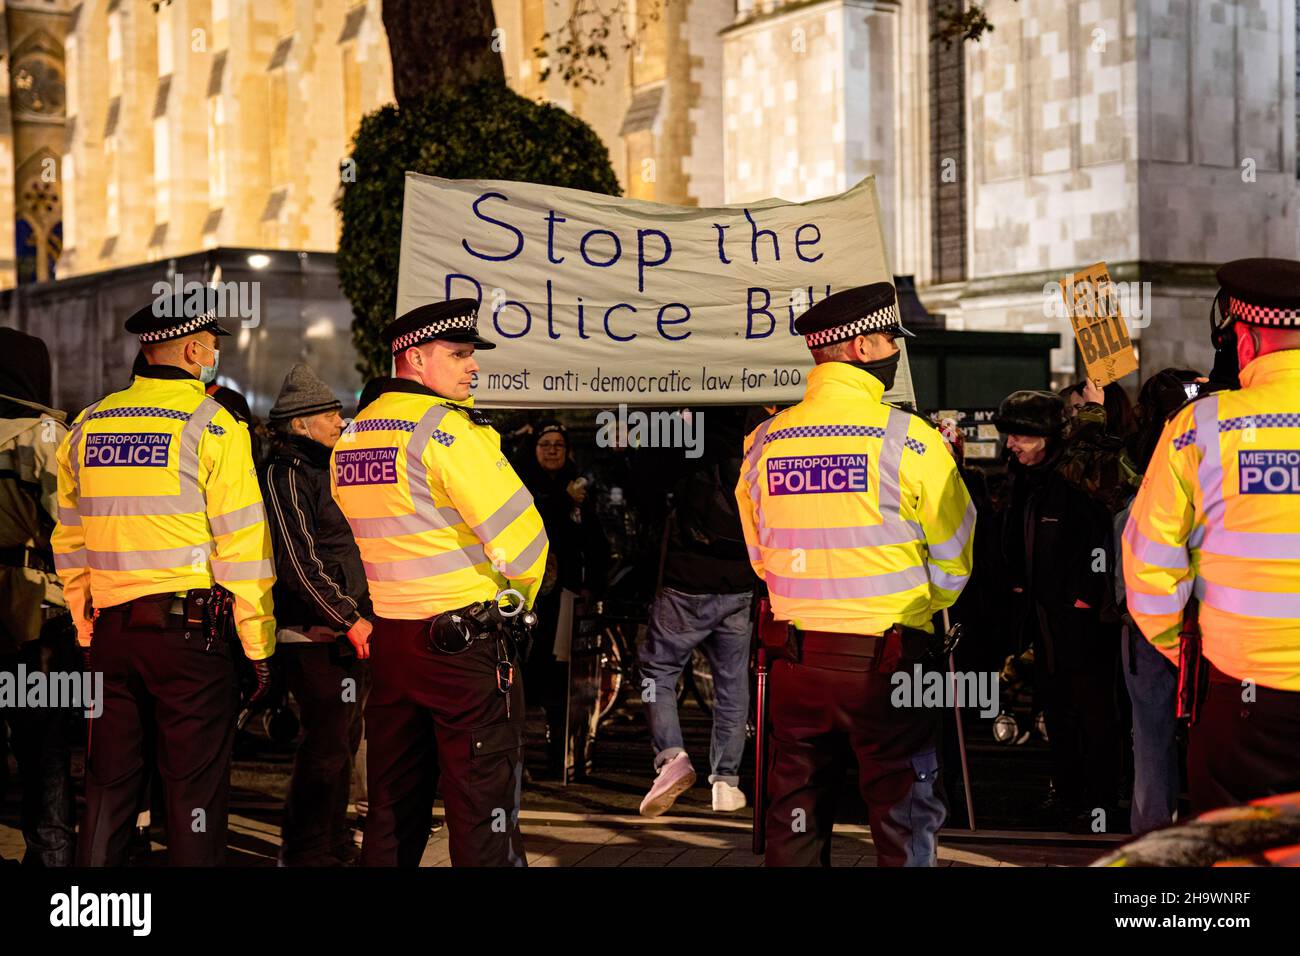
pixel 595 300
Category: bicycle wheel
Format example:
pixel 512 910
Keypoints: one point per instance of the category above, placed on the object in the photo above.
pixel 610 667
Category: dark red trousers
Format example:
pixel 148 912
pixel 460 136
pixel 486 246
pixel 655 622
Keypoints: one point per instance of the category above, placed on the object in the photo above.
pixel 436 719
pixel 171 679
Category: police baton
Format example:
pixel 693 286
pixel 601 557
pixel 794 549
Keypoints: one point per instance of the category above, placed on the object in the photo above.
pixel 760 753
pixel 961 732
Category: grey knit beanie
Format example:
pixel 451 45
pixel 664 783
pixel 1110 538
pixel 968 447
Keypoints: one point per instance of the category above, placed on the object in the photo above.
pixel 303 395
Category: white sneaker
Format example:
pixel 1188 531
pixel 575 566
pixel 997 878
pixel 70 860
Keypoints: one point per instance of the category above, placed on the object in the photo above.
pixel 675 778
pixel 727 798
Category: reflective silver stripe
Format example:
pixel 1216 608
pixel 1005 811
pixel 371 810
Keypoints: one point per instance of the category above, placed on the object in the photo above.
pixel 391 527
pixel 224 571
pixel 149 560
pixel 69 516
pixel 516 505
pixel 754 553
pixel 191 434
pixel 1210 473
pixel 1245 603
pixel 891 457
pixel 72 559
pixel 527 557
pixel 874 585
pixel 751 472
pixel 1250 544
pixel 949 582
pixel 427 567
pixel 859 536
pixel 954 546
pixel 110 506
pixel 238 519
pixel 1142 603
pixel 74 457
pixel 1153 552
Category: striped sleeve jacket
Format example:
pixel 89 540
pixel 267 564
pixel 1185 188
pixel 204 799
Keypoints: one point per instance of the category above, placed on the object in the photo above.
pixel 854 512
pixel 1218 518
pixel 440 517
pixel 157 494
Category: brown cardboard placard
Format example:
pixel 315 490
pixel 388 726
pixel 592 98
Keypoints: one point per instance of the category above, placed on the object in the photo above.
pixel 1092 303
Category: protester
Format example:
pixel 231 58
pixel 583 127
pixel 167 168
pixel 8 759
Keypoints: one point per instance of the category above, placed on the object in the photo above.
pixel 1057 549
pixel 704 601
pixel 574 571
pixel 36 630
pixel 1151 680
pixel 320 598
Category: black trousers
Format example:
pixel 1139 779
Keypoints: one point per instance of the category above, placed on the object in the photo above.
pixel 326 682
pixel 1239 751
pixel 1076 667
pixel 435 718
pixel 171 677
pixel 41 740
pixel 817 716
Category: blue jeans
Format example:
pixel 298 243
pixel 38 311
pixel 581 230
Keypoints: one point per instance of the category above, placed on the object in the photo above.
pixel 1155 753
pixel 719 624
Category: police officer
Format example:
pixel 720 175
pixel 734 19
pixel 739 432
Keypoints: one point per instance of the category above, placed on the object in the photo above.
pixel 158 504
pixel 444 525
pixel 859 524
pixel 1216 526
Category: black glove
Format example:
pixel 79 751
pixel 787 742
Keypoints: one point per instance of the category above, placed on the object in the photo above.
pixel 85 657
pixel 265 679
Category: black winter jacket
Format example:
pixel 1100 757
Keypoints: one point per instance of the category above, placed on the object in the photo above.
pixel 320 582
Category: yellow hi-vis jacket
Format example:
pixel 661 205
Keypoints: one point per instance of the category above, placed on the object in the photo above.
pixel 854 512
pixel 440 517
pixel 1218 517
pixel 157 495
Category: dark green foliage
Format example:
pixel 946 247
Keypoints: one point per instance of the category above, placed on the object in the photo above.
pixel 477 132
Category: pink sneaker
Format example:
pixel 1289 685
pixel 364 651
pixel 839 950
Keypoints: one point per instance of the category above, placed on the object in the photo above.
pixel 675 778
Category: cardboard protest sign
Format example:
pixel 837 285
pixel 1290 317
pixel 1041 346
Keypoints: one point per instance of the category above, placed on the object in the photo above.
pixel 1092 303
pixel 595 300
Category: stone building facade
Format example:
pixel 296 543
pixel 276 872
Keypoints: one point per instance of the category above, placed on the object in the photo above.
pixel 1157 135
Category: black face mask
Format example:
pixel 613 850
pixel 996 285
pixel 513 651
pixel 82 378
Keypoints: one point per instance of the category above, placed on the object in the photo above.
pixel 884 369
pixel 1227 367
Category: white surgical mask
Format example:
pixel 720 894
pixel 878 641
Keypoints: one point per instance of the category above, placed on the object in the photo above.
pixel 208 373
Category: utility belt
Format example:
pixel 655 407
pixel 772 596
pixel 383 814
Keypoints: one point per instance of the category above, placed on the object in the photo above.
pixel 207 610
pixel 25 556
pixel 833 650
pixel 456 631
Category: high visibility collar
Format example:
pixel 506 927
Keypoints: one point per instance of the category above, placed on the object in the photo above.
pixel 1273 365
pixel 168 372
pixel 412 387
pixel 843 381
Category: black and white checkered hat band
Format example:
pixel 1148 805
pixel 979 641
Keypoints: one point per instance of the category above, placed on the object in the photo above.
pixel 1263 314
pixel 885 318
pixel 196 324
pixel 434 329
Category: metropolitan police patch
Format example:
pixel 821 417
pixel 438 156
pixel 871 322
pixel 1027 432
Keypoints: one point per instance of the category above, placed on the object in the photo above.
pixel 1269 472
pixel 127 449
pixel 366 466
pixel 816 474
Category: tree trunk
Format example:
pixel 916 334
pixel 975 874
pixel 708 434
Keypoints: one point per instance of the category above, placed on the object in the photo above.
pixel 441 43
